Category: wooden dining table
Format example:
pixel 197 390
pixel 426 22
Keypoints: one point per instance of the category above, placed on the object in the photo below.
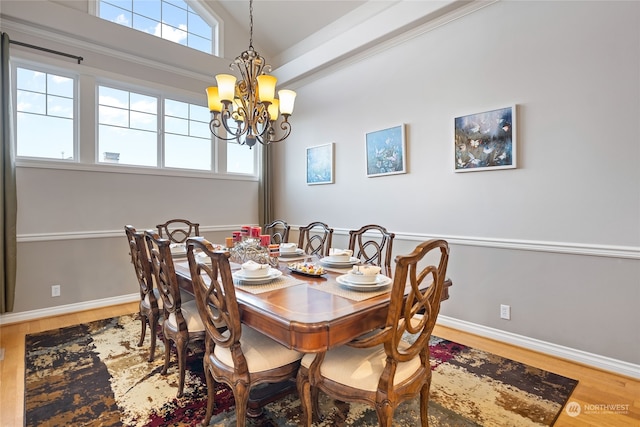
pixel 312 314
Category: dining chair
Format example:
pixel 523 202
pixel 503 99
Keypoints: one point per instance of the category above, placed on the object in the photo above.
pixel 384 368
pixel 239 356
pixel 182 324
pixel 372 244
pixel 278 230
pixel 178 230
pixel 315 238
pixel 150 301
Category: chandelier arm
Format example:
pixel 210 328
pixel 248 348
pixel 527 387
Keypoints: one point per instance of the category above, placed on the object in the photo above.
pixel 284 125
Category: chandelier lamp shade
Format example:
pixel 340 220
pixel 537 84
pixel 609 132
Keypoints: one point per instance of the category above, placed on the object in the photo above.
pixel 246 110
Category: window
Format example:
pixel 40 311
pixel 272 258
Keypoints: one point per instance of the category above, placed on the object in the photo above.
pixel 187 138
pixel 127 127
pixel 172 20
pixel 45 112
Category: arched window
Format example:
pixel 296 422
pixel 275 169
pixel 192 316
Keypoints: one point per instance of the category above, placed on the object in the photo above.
pixel 173 20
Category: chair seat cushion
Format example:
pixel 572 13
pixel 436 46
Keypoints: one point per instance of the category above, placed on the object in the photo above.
pixel 261 352
pixel 147 304
pixel 191 316
pixel 360 367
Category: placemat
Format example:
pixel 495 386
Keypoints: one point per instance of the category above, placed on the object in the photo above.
pixel 336 289
pixel 279 283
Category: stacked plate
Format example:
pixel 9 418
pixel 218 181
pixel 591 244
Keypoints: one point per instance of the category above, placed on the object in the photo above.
pixel 243 278
pixel 290 254
pixel 329 261
pixel 373 283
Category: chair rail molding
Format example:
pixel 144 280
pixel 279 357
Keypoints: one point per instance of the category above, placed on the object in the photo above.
pixel 611 251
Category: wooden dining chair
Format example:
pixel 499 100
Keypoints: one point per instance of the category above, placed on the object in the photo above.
pixel 178 230
pixel 372 244
pixel 278 230
pixel 240 356
pixel 182 324
pixel 150 301
pixel 382 369
pixel 315 238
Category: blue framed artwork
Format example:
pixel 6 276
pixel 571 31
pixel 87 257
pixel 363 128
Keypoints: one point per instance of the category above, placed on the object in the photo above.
pixel 320 164
pixel 386 151
pixel 485 141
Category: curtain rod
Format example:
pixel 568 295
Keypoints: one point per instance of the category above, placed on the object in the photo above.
pixel 44 49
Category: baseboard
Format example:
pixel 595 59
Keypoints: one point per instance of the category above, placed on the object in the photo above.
pixel 8 318
pixel 578 356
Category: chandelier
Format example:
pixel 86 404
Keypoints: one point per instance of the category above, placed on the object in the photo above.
pixel 248 110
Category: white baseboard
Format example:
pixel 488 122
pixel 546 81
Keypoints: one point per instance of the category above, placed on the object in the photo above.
pixel 8 318
pixel 601 362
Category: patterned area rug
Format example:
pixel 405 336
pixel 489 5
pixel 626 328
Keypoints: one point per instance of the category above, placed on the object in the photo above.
pixel 95 375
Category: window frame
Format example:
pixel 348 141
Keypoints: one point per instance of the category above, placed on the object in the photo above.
pixel 16 63
pixel 204 12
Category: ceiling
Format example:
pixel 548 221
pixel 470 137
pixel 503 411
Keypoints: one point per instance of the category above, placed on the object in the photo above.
pixel 280 24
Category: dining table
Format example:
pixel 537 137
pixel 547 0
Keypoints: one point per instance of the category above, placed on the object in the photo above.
pixel 309 313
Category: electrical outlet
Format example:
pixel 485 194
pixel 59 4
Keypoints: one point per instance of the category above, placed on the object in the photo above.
pixel 55 290
pixel 505 311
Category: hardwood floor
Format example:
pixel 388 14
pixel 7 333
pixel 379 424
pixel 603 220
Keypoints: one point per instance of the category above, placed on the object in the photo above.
pixel 596 389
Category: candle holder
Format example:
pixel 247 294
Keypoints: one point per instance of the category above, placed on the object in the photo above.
pixel 250 249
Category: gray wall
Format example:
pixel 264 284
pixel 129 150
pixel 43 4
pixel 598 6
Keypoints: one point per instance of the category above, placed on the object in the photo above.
pixel 558 237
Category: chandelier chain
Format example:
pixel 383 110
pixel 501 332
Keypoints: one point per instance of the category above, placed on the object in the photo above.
pixel 251 24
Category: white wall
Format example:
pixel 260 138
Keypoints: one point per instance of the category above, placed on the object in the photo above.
pixel 558 238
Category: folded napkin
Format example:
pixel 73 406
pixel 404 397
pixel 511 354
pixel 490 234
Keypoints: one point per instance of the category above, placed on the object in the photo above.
pixel 340 252
pixel 288 247
pixel 253 266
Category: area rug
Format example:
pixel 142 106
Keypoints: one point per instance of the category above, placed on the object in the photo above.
pixel 95 375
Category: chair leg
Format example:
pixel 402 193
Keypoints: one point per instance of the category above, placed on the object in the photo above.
pixel 181 349
pixel 241 396
pixel 424 404
pixel 143 330
pixel 153 324
pixel 304 392
pixel 385 414
pixel 167 353
pixel 210 394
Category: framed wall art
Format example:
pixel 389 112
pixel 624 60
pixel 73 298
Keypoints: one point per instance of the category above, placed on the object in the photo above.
pixel 386 151
pixel 320 164
pixel 485 141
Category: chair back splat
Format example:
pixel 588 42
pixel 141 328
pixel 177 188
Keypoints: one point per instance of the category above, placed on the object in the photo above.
pixel 373 244
pixel 278 230
pixel 315 238
pixel 389 365
pixel 178 230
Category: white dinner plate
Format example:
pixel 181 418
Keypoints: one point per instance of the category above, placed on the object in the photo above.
pixel 381 282
pixel 238 276
pixel 297 252
pixel 339 264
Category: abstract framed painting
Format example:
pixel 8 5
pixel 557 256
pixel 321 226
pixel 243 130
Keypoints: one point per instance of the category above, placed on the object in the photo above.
pixel 485 141
pixel 386 151
pixel 320 164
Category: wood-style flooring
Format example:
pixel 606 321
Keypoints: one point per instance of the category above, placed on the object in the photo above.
pixel 597 390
